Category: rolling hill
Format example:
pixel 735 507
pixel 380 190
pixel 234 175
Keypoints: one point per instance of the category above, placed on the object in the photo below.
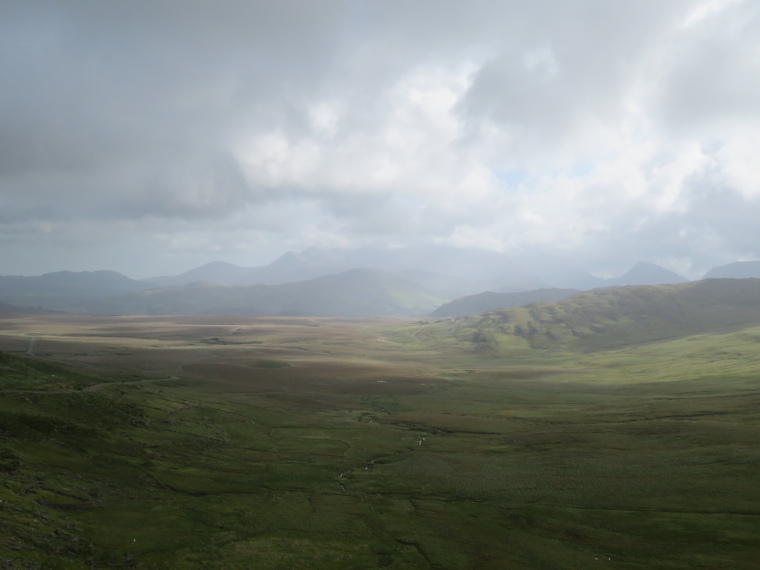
pixel 61 285
pixel 489 301
pixel 613 317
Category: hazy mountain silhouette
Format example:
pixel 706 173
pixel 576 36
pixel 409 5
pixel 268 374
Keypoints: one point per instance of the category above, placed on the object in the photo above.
pixel 353 293
pixel 554 272
pixel 289 268
pixel 30 291
pixel 735 270
pixel 645 273
pixel 486 270
pixel 398 281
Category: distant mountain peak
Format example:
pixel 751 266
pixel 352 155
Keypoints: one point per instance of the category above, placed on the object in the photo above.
pixel 216 265
pixel 647 273
pixel 289 260
pixel 483 269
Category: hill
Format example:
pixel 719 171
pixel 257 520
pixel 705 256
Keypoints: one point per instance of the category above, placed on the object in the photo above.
pixel 353 293
pixel 645 273
pixel 736 270
pixel 33 291
pixel 489 301
pixel 613 317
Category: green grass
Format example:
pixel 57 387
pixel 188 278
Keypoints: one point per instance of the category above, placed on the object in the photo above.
pixel 426 453
pixel 23 373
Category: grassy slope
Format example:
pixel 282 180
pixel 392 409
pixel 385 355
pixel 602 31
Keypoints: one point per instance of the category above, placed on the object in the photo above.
pixel 392 454
pixel 489 301
pixel 614 317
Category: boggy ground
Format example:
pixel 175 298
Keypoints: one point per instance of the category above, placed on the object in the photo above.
pixel 230 442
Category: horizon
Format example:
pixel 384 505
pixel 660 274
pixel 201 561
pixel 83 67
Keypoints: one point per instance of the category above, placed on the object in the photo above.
pixel 600 276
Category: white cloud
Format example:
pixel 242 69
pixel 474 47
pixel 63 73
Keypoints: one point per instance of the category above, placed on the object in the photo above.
pixel 610 131
pixel 705 10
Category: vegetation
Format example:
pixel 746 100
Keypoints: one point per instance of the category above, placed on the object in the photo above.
pixel 615 317
pixel 489 301
pixel 326 443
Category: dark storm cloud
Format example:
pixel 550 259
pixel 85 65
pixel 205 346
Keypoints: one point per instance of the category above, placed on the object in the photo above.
pixel 139 99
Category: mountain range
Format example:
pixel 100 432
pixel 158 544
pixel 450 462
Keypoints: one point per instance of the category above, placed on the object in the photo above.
pixel 334 282
pixel 352 293
pixel 50 289
pixel 483 269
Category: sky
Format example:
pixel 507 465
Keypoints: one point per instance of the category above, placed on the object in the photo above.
pixel 152 136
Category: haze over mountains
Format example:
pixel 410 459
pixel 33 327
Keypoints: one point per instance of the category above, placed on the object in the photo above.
pixel 332 282
pixel 353 293
pixel 641 274
pixel 736 270
pixel 482 268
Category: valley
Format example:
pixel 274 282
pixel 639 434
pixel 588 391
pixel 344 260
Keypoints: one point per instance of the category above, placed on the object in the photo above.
pixel 276 442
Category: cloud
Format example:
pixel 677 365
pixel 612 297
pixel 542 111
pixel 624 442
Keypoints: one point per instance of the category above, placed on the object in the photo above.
pixel 710 79
pixel 608 131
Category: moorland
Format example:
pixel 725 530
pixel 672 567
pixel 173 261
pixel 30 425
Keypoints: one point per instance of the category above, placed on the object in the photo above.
pixel 562 435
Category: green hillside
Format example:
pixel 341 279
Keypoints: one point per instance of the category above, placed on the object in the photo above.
pixel 271 443
pixel 613 317
pixel 31 373
pixel 490 300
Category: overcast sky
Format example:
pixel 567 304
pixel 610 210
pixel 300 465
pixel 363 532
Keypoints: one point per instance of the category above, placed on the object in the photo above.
pixel 152 136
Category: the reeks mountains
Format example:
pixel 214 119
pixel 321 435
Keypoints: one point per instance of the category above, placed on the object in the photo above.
pixel 352 293
pixel 441 281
